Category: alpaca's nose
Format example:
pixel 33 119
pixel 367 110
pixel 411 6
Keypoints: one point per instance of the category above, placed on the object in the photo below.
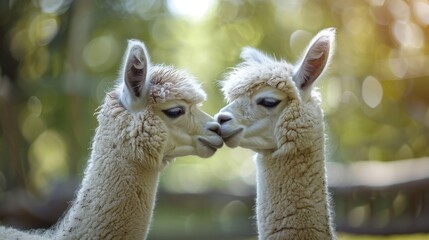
pixel 223 118
pixel 214 127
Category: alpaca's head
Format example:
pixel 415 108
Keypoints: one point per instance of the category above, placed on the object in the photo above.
pixel 156 110
pixel 266 97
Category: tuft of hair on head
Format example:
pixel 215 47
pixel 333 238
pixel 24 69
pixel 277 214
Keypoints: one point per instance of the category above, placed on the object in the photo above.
pixel 315 60
pixel 253 55
pixel 135 79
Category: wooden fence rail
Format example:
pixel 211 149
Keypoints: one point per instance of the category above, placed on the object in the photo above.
pixel 369 198
pixel 381 198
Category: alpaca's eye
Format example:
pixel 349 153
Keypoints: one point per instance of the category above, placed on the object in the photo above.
pixel 268 102
pixel 174 112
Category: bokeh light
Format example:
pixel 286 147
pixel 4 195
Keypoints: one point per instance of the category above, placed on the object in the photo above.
pixel 193 9
pixel 59 58
pixel 48 157
pixel 372 91
pixel 101 53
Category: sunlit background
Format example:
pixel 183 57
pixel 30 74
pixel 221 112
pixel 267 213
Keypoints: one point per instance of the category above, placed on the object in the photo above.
pixel 59 57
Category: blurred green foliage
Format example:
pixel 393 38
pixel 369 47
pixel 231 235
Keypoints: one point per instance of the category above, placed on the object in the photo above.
pixel 58 58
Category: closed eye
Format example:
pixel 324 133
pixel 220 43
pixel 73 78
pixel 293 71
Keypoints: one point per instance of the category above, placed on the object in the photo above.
pixel 174 112
pixel 268 102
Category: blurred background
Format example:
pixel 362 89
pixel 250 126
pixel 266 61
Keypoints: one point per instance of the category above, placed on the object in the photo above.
pixel 59 57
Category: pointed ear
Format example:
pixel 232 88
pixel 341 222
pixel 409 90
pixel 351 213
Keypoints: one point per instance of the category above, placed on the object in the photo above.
pixel 316 59
pixel 253 55
pixel 135 85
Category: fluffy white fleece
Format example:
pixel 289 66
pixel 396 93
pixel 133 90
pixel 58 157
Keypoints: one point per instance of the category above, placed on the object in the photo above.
pixel 117 195
pixel 292 198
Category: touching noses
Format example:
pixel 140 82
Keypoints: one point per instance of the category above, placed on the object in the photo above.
pixel 214 127
pixel 223 118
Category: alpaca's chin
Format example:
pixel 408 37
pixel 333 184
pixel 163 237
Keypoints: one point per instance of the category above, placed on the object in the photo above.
pixel 206 152
pixel 232 137
pixel 233 142
pixel 207 146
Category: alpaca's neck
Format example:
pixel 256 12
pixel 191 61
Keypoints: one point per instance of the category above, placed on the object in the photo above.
pixel 292 194
pixel 116 198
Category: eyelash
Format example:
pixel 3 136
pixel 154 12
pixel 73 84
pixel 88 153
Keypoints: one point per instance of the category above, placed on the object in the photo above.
pixel 174 112
pixel 268 102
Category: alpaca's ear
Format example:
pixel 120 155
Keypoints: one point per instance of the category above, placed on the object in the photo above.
pixel 136 84
pixel 253 55
pixel 315 60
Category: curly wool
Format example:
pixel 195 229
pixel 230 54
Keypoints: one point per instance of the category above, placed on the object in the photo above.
pixel 117 194
pixel 292 195
pixel 170 83
pixel 125 182
pixel 250 76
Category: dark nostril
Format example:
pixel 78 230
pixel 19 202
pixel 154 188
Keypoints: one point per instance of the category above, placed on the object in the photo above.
pixel 215 127
pixel 223 118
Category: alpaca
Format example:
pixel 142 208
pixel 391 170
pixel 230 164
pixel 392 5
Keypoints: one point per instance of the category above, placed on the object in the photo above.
pixel 151 117
pixel 273 110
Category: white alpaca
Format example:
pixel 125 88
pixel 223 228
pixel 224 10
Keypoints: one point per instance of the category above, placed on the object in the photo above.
pixel 150 118
pixel 274 111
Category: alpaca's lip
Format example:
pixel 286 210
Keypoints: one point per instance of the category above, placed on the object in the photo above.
pixel 228 135
pixel 211 144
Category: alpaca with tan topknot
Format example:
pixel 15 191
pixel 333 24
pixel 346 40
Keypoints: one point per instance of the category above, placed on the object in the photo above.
pixel 150 118
pixel 275 110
